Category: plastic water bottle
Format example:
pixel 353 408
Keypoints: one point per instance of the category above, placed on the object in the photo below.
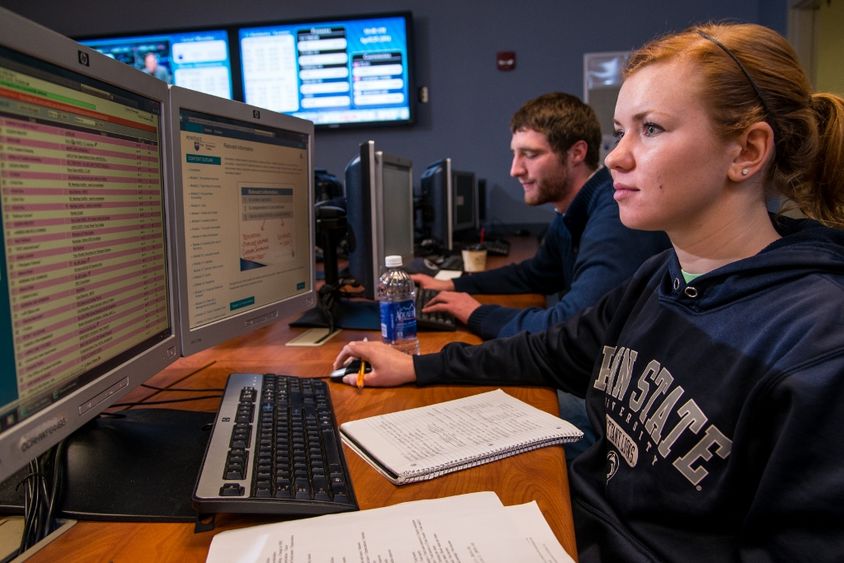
pixel 397 302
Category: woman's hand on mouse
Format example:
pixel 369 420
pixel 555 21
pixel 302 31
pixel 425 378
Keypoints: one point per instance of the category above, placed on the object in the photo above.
pixel 389 366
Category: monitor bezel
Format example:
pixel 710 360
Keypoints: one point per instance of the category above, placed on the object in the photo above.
pixel 382 158
pixel 207 335
pixel 406 15
pixel 36 434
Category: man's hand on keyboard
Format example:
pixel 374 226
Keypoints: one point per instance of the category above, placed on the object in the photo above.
pixel 459 305
pixel 428 282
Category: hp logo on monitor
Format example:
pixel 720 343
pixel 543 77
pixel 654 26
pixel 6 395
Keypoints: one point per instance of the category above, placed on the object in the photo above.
pixel 256 114
pixel 83 58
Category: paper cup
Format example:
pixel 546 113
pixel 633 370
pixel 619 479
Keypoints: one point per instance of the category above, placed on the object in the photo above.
pixel 474 260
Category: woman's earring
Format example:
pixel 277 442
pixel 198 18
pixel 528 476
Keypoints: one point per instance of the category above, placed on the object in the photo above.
pixel 745 171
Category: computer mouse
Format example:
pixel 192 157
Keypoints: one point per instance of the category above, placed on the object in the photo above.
pixel 352 367
pixel 430 264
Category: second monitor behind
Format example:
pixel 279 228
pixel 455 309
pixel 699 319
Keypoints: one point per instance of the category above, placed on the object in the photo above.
pixel 379 211
pixel 450 207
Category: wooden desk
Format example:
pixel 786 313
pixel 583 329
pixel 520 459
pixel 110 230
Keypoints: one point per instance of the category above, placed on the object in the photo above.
pixel 538 475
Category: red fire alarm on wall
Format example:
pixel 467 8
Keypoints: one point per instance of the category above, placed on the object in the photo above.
pixel 505 60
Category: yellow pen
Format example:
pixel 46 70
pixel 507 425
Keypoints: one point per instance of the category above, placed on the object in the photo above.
pixel 361 371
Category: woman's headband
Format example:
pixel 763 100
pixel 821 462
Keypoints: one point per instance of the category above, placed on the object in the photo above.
pixel 743 70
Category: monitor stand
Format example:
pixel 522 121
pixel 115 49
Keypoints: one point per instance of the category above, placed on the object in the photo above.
pixel 352 314
pixel 140 465
pixel 334 311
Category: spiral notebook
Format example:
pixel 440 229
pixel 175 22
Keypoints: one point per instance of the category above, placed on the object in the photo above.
pixel 426 442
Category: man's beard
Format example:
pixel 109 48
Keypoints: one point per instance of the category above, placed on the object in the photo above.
pixel 548 193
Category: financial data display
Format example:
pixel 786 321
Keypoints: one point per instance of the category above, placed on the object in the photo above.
pixel 333 73
pixel 83 272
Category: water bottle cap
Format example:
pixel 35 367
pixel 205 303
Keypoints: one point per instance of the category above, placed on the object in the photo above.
pixel 393 261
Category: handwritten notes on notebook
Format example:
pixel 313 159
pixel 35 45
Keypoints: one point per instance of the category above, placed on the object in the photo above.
pixel 426 442
pixel 471 527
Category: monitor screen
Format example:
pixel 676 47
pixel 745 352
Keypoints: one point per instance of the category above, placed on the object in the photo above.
pixel 465 202
pixel 337 72
pixel 245 229
pixel 379 210
pixel 86 312
pixel 438 202
pixel 198 60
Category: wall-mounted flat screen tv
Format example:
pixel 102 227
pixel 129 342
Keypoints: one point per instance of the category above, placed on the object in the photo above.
pixel 198 60
pixel 338 72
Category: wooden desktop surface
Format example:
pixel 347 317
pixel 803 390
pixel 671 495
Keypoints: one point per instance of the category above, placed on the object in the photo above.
pixel 539 475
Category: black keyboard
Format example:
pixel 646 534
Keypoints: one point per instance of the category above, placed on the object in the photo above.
pixel 497 247
pixel 431 321
pixel 430 265
pixel 274 449
pixel 453 262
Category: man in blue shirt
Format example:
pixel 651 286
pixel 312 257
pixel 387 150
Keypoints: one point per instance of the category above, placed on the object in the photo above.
pixel 586 251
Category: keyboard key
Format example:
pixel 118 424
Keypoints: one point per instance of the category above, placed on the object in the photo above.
pixel 231 490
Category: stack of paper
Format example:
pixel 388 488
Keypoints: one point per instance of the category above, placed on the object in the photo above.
pixel 471 528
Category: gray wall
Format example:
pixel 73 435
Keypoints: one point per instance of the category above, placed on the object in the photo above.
pixel 456 42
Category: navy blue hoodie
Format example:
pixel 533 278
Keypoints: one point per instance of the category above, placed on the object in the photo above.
pixel 719 405
pixel 586 252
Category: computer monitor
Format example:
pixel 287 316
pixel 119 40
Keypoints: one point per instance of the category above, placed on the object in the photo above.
pixel 465 203
pixel 337 72
pixel 86 291
pixel 436 185
pixel 449 202
pixel 379 210
pixel 195 59
pixel 244 228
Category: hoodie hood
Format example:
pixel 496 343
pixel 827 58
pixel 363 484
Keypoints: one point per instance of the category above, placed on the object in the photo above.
pixel 806 247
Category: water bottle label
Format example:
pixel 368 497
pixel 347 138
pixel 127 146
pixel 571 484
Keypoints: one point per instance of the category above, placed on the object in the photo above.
pixel 398 320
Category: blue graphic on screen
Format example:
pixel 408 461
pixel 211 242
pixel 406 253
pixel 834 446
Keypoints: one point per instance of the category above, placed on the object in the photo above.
pixel 330 72
pixel 197 60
